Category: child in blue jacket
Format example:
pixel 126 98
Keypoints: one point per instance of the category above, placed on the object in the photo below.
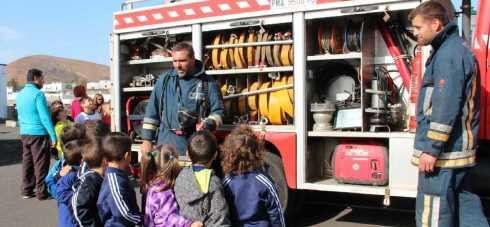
pixel 74 132
pixel 117 199
pixel 69 175
pixel 250 193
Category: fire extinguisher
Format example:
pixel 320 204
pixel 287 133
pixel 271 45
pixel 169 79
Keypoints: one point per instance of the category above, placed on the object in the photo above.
pixel 415 83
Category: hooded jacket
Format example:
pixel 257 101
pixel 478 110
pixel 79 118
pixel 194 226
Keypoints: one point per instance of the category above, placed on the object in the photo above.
pixel 161 208
pixel 253 200
pixel 171 94
pixel 116 204
pixel 448 107
pixel 209 206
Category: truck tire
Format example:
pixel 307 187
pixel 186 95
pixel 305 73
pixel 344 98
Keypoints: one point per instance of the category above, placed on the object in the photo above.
pixel 275 169
pixel 291 200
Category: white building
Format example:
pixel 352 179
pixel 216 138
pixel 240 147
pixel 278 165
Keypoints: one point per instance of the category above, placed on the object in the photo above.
pixel 53 87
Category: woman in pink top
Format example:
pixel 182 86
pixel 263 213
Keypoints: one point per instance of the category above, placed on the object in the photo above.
pixel 79 92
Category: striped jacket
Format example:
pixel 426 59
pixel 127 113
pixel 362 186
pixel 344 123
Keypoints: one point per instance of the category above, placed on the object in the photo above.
pixel 253 200
pixel 117 200
pixel 84 200
pixel 448 107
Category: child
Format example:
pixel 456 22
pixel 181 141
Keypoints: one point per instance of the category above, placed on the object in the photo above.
pixel 88 111
pixel 117 199
pixel 72 157
pixel 161 170
pixel 250 193
pixel 94 130
pixel 198 190
pixel 58 117
pixel 84 200
pixel 74 132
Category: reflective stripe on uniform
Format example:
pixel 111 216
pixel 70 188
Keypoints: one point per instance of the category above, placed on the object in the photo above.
pixel 149 127
pixel 440 127
pixel 426 211
pixel 434 135
pixel 449 163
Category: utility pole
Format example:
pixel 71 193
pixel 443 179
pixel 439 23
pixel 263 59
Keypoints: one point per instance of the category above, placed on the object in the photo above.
pixel 466 20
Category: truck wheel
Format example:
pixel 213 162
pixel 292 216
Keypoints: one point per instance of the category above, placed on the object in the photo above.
pixel 275 169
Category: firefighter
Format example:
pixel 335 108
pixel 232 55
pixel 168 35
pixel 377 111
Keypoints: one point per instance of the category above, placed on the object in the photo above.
pixel 183 100
pixel 447 123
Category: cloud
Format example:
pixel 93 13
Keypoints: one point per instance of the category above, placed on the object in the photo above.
pixel 8 34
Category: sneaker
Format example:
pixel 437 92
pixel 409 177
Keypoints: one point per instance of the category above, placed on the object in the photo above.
pixel 27 196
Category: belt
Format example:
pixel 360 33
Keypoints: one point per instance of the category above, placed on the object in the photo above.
pixel 263 50
pixel 179 132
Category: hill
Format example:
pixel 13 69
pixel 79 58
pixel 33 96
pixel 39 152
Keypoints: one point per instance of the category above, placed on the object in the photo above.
pixel 57 69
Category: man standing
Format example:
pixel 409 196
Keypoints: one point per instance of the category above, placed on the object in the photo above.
pixel 183 100
pixel 447 123
pixel 37 135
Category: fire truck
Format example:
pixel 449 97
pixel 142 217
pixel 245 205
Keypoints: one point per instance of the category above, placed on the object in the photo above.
pixel 329 84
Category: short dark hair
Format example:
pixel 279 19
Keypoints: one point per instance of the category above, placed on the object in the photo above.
pixel 72 152
pixel 430 10
pixel 54 115
pixel 96 129
pixel 184 46
pixel 33 73
pixel 115 146
pixel 79 91
pixel 74 132
pixel 202 147
pixel 92 153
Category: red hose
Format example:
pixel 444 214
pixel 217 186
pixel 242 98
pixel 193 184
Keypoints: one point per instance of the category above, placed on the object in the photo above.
pixel 396 54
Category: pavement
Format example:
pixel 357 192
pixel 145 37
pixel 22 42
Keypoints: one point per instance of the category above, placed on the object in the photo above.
pixel 319 209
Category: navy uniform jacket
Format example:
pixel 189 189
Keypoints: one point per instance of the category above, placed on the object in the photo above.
pixel 448 107
pixel 166 100
pixel 117 200
pixel 253 200
pixel 84 200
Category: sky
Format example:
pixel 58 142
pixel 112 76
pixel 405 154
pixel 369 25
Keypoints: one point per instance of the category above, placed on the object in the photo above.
pixel 77 29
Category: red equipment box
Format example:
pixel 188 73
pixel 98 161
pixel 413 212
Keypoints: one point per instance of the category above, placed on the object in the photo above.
pixel 360 162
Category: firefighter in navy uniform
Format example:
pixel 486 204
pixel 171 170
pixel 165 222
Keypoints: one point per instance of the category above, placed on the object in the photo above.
pixel 183 100
pixel 447 124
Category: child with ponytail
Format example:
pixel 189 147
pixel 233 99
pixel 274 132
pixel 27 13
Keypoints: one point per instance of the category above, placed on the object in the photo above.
pixel 160 169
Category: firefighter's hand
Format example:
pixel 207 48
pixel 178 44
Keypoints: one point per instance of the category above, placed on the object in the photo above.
pixel 427 162
pixel 146 147
pixel 201 126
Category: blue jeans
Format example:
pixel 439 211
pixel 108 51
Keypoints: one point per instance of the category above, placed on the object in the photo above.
pixel 444 198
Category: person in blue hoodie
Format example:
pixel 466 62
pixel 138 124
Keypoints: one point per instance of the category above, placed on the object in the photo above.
pixel 249 191
pixel 37 135
pixel 183 100
pixel 69 176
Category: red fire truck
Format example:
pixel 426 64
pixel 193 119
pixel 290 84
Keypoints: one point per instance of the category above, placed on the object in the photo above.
pixel 331 84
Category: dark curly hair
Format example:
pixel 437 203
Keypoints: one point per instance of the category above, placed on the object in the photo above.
pixel 241 151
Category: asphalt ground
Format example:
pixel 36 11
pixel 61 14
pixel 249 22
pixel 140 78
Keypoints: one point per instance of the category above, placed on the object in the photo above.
pixel 318 208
